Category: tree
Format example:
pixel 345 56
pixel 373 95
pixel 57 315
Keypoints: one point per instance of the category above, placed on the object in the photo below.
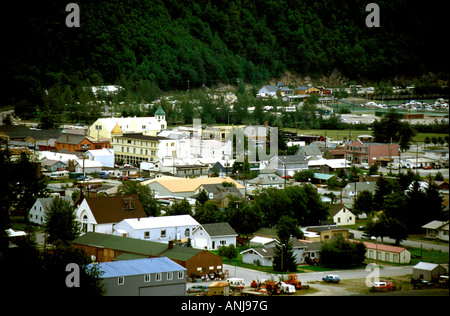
pixel 144 195
pixel 209 213
pixel 303 175
pixel 341 253
pixel 283 257
pixel 397 230
pixel 229 252
pixel 377 225
pixel 242 216
pixel 28 185
pixel 363 203
pixel 382 188
pixel 179 208
pixel 391 129
pixel 201 198
pixel 61 221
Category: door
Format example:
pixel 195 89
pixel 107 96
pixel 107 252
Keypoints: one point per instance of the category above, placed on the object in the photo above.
pixel 213 244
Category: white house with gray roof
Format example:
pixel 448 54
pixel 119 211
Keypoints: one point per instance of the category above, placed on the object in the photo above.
pixel 287 165
pixel 40 207
pixel 212 236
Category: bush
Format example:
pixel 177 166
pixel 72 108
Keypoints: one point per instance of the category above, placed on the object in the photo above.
pixel 341 253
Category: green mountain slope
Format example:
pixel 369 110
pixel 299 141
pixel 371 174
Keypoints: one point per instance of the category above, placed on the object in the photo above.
pixel 209 42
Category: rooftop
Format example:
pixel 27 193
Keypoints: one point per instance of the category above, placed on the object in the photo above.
pixel 138 266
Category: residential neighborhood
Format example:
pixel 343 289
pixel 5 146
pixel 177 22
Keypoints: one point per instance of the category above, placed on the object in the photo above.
pixel 160 208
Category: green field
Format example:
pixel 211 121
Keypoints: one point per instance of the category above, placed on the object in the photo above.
pixel 351 134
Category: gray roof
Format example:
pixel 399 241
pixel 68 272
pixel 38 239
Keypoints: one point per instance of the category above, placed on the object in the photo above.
pixel 362 186
pixel 73 139
pixel 138 267
pixel 309 150
pixel 261 251
pixel 46 202
pixel 219 229
pixel 291 159
pixel 270 88
pixel 267 178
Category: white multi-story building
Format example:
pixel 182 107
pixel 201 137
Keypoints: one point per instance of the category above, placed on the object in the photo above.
pixel 108 127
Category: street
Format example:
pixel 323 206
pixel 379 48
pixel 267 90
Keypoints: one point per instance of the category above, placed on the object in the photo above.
pixel 369 273
pixel 408 243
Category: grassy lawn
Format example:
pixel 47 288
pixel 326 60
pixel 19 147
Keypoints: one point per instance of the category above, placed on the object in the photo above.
pixel 428 256
pixel 335 134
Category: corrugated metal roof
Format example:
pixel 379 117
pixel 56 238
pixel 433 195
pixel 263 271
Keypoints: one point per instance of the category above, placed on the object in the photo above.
pixel 138 266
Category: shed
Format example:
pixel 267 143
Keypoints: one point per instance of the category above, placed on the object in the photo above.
pixel 427 271
pixel 221 288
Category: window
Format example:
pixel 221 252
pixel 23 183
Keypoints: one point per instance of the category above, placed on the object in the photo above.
pixel 163 233
pixel 211 268
pixel 186 232
pixel 146 235
pixel 85 224
pixel 147 277
pixel 219 267
pixel 169 275
pixel 199 269
pixel 180 275
pixel 158 277
pixel 120 280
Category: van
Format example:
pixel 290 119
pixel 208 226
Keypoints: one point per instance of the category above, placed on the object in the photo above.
pixel 103 175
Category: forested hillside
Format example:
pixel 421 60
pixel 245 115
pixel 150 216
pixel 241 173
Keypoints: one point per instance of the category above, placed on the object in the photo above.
pixel 175 43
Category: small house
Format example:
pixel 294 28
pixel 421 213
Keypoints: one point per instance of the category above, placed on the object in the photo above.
pixel 37 212
pixel 260 256
pixel 428 271
pixel 437 230
pixel 265 242
pixel 341 215
pixel 212 236
pixel 328 232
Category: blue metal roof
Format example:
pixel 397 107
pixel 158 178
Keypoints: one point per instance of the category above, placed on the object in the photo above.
pixel 138 266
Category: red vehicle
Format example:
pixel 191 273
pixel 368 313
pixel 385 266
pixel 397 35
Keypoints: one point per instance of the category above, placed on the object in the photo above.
pixel 428 167
pixel 383 286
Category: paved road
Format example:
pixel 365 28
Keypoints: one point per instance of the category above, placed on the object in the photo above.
pixel 249 275
pixel 409 243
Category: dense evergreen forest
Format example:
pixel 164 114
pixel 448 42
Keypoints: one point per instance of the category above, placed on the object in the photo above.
pixel 193 43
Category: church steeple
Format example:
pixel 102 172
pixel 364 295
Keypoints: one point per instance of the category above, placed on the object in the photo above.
pixel 160 115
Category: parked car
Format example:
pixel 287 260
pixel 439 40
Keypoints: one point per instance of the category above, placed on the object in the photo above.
pixel 331 278
pixel 428 167
pixel 383 286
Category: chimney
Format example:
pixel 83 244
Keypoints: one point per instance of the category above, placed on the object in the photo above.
pixel 170 244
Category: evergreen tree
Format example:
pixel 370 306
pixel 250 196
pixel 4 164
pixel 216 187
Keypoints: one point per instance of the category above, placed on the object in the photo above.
pixel 61 223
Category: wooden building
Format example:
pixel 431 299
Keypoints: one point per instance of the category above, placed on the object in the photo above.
pixel 105 248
